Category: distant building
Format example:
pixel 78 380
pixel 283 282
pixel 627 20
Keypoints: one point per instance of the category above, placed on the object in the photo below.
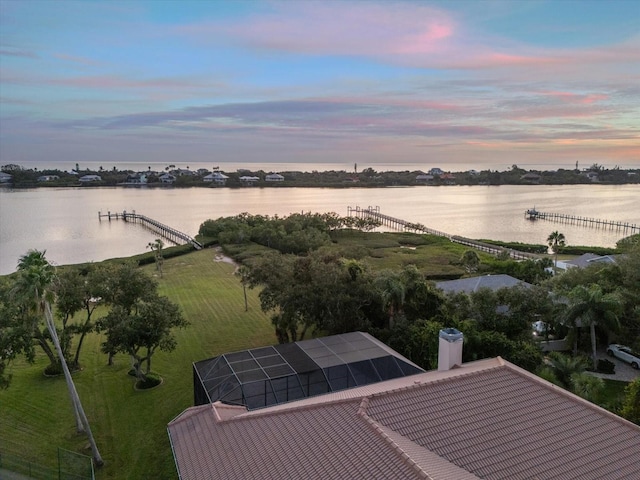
pixel 248 180
pixel 5 177
pixel 531 177
pixel 424 178
pixel 216 178
pixel 48 178
pixel 586 260
pixel 181 172
pixel 436 171
pixel 90 178
pixel 167 178
pixel 473 284
pixel 274 177
pixel 137 179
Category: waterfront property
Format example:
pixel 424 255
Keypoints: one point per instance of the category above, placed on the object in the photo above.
pixel 274 177
pixel 483 419
pixel 90 178
pixel 473 284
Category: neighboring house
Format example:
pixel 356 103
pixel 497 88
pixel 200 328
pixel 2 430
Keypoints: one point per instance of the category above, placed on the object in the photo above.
pixel 274 177
pixel 487 419
pixel 436 171
pixel 90 178
pixel 248 180
pixel 473 284
pixel 448 178
pixel 593 176
pixel 167 178
pixel 203 171
pixel 424 178
pixel 48 178
pixel 137 179
pixel 531 177
pixel 216 178
pixel 473 172
pixel 586 260
pixel 181 172
pixel 5 177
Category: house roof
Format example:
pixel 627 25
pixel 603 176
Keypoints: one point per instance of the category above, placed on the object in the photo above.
pixel 487 419
pixel 473 284
pixel 587 259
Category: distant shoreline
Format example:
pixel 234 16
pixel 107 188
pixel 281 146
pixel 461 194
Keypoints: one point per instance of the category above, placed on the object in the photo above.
pixel 17 177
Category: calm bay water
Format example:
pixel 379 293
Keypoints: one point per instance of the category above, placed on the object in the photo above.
pixel 64 222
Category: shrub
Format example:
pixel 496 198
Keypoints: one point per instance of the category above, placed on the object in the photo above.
pixel 606 366
pixel 153 380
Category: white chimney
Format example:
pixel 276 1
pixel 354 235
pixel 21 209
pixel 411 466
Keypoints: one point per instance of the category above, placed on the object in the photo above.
pixel 449 349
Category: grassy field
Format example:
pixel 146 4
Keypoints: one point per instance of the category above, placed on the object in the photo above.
pixel 129 425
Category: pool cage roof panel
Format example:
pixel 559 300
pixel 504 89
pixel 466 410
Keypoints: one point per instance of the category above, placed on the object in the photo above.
pixel 270 375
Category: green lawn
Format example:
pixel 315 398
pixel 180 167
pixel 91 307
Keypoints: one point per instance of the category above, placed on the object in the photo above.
pixel 129 425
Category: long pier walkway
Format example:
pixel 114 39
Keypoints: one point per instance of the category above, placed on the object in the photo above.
pixel 161 229
pixel 405 226
pixel 533 214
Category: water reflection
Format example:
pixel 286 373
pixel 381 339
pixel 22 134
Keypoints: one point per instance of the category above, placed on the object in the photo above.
pixel 65 221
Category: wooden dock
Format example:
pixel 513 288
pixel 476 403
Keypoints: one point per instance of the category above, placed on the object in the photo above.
pixel 533 214
pixel 161 229
pixel 405 226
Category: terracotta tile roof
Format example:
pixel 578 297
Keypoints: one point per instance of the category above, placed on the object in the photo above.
pixel 486 419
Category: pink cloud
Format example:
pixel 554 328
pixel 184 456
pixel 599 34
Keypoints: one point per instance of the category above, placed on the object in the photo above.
pixel 403 33
pixel 569 97
pixel 338 28
pixel 71 58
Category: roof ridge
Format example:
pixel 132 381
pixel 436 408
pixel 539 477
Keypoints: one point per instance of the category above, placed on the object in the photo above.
pixel 267 412
pixel 404 456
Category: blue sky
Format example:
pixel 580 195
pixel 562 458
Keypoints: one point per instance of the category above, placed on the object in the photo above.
pixel 483 83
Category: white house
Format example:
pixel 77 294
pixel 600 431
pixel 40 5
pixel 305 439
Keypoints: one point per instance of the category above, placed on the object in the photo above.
pixel 216 178
pixel 274 177
pixel 48 178
pixel 248 180
pixel 167 178
pixel 90 178
pixel 424 178
pixel 137 179
pixel 5 177
pixel 436 171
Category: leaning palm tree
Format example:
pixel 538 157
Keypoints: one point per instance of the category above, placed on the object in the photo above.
pixel 591 306
pixel 35 275
pixel 556 241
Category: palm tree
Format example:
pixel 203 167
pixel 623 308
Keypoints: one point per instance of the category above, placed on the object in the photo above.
pixel 243 272
pixel 35 277
pixel 156 248
pixel 556 241
pixel 591 306
pixel 392 293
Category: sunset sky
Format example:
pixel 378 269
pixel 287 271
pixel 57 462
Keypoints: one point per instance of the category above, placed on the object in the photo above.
pixel 485 84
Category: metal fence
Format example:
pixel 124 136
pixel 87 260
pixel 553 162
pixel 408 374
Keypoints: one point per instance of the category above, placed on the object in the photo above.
pixel 71 466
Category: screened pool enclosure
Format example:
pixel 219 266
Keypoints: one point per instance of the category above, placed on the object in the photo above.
pixel 266 376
